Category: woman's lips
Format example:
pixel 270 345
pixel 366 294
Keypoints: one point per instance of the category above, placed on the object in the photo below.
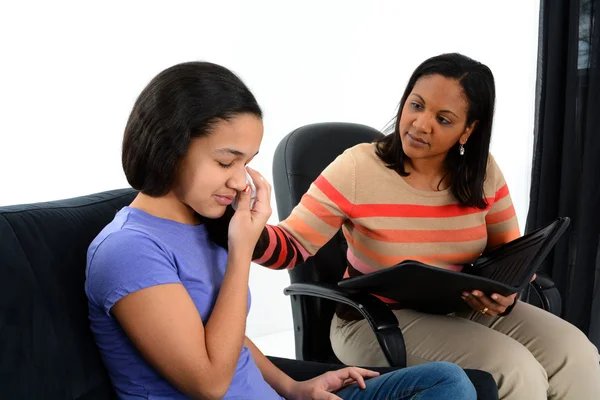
pixel 416 141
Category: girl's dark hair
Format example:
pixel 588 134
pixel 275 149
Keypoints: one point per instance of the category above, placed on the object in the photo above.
pixel 467 173
pixel 180 103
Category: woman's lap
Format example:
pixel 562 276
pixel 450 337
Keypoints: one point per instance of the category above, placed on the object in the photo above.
pixel 427 338
pixel 528 344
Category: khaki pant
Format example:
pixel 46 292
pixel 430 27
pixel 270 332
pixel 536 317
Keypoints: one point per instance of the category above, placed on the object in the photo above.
pixel 531 353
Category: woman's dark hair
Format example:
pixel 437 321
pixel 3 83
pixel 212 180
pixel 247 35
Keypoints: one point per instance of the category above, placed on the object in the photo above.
pixel 180 103
pixel 467 173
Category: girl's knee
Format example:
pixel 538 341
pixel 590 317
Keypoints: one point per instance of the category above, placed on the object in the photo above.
pixel 447 370
pixel 446 378
pixel 453 375
pixel 450 371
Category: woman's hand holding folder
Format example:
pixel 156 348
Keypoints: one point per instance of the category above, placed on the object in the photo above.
pixel 492 306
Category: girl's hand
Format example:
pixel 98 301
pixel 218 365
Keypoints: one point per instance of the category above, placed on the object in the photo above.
pixel 246 225
pixel 321 387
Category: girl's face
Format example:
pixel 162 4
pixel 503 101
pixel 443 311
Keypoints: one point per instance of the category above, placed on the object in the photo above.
pixel 213 170
pixel 434 118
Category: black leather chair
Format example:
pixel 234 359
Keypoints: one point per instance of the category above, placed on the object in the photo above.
pixel 299 159
pixel 46 348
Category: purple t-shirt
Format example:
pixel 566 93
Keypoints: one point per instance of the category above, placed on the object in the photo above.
pixel 135 251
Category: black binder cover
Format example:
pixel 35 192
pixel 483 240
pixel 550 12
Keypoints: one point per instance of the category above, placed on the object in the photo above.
pixel 504 270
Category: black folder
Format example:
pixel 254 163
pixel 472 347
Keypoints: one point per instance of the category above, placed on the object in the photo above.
pixel 505 270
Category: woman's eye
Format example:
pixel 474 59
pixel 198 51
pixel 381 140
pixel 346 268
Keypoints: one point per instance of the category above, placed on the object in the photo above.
pixel 444 121
pixel 224 165
pixel 415 105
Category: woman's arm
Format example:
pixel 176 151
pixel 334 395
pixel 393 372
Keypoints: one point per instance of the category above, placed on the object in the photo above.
pixel 501 220
pixel 502 227
pixel 314 221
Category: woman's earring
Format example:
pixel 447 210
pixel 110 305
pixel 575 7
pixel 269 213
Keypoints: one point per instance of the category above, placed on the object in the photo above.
pixel 461 149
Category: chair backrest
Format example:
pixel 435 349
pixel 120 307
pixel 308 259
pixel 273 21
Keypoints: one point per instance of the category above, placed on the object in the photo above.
pixel 46 347
pixel 299 159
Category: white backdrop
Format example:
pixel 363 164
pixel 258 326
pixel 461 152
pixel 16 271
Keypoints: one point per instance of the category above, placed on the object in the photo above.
pixel 71 71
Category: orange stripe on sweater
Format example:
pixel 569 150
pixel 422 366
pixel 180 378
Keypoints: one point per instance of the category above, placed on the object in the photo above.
pixel 302 254
pixel 333 194
pixel 457 258
pixel 317 208
pixel 425 236
pixel 306 231
pixel 283 251
pixel 501 193
pixel 500 216
pixel 412 211
pixel 271 247
pixel 498 239
pixel 394 210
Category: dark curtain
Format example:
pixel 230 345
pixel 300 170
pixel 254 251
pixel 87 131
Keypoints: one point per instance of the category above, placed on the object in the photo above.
pixel 566 162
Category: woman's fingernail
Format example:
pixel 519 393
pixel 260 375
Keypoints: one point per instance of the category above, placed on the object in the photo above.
pixel 465 294
pixel 476 294
pixel 247 189
pixel 494 297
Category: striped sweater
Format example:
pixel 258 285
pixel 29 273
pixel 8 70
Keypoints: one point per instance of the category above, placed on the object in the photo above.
pixel 387 221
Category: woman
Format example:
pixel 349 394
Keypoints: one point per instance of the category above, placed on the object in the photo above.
pixel 431 192
pixel 168 305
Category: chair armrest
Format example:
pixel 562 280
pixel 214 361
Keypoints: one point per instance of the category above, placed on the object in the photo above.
pixel 543 281
pixel 545 295
pixel 377 314
pixel 380 317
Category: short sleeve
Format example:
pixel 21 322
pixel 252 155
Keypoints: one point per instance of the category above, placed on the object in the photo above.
pixel 124 262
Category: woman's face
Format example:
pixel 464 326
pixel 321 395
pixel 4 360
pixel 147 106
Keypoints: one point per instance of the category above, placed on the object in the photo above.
pixel 213 170
pixel 434 118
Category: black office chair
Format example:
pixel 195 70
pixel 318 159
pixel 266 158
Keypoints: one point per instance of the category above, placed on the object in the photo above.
pixel 299 159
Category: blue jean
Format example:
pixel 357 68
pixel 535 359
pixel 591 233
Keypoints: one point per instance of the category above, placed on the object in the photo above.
pixel 435 380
